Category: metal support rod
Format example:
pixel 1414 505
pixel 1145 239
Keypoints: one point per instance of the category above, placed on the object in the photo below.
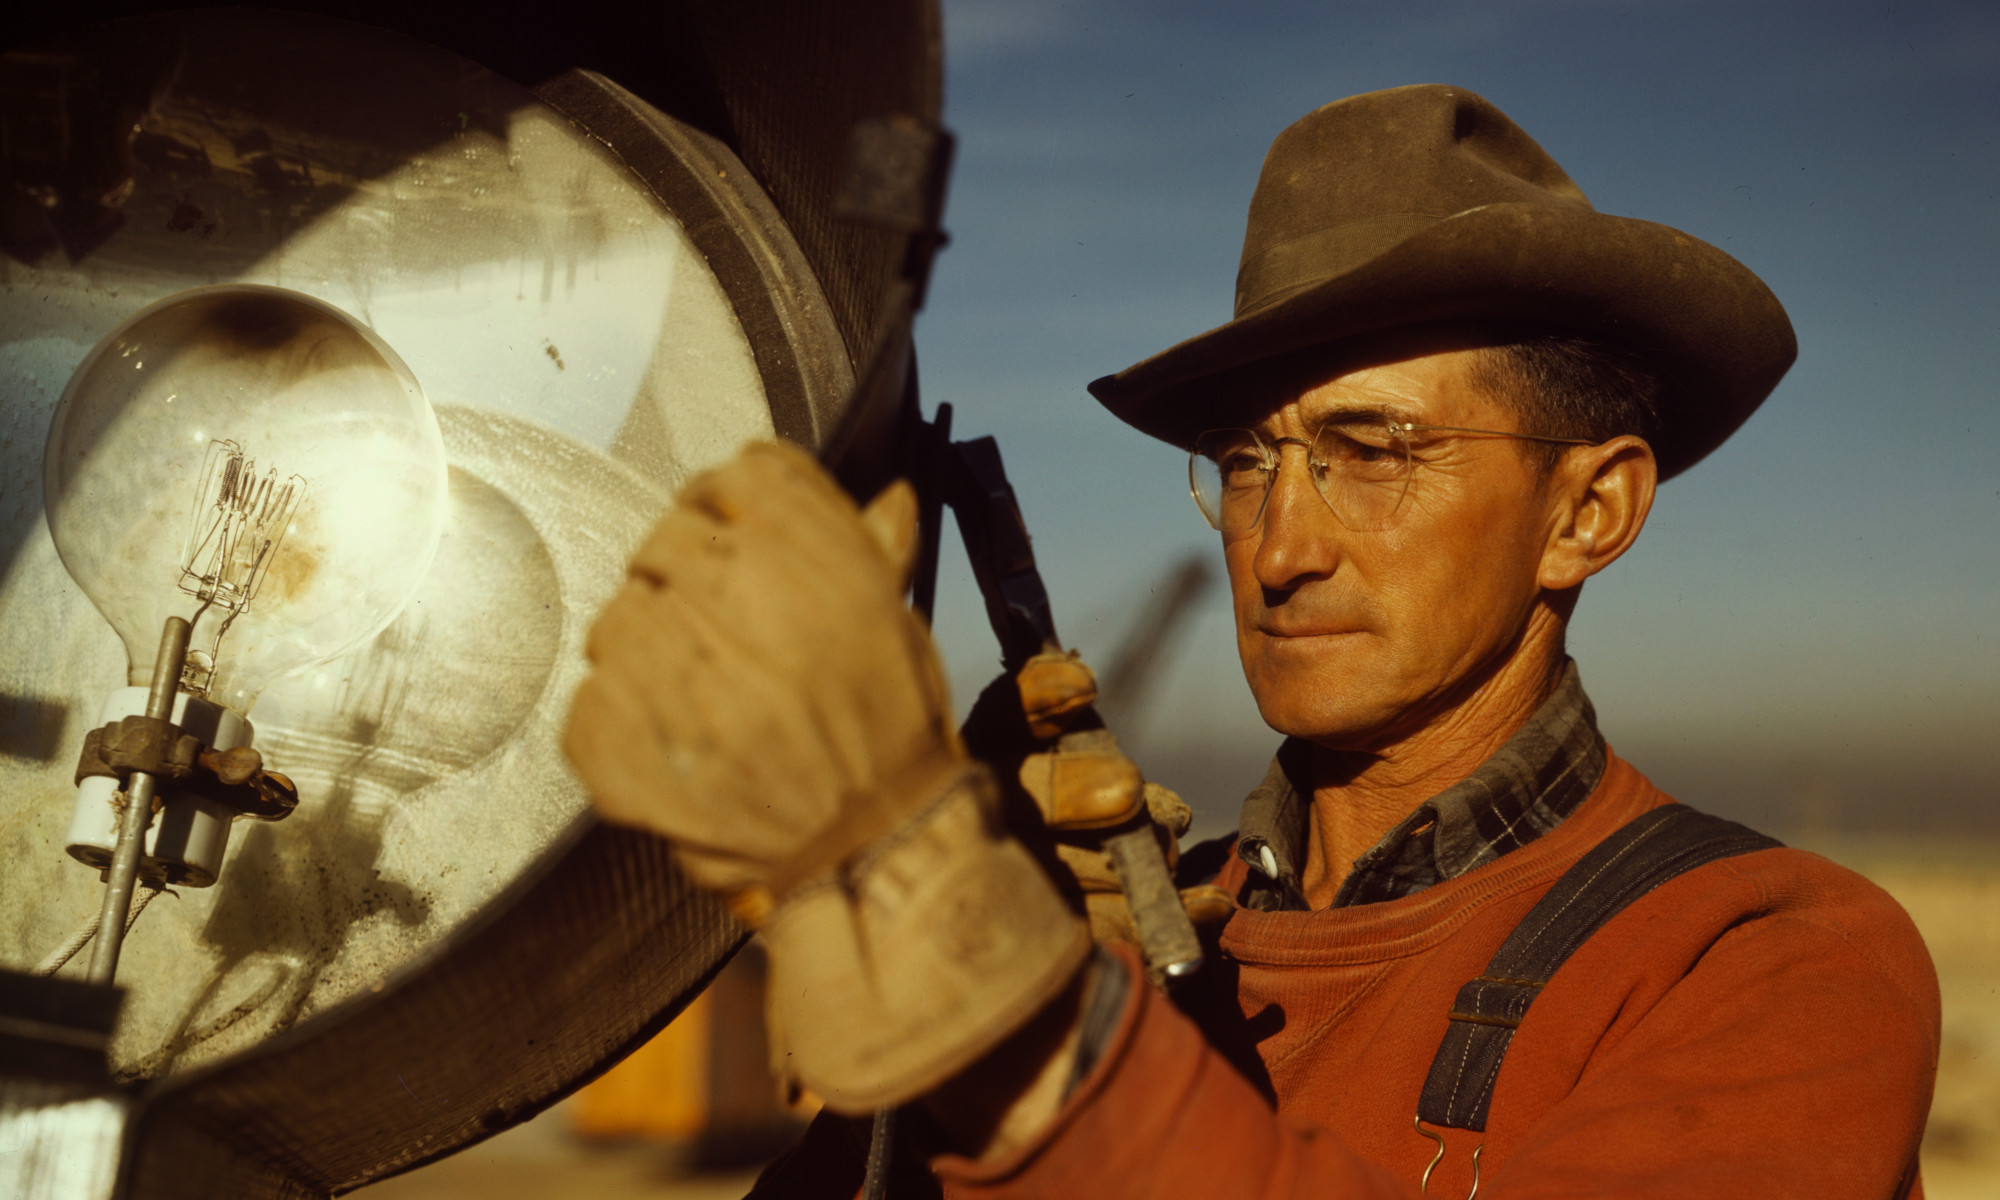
pixel 123 875
pixel 881 1151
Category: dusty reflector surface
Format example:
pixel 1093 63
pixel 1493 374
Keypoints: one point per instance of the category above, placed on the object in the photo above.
pixel 582 360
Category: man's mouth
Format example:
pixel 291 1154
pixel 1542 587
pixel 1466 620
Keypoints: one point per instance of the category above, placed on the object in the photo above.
pixel 1293 630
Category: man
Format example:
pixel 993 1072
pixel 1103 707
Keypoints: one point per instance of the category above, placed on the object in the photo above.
pixel 1444 402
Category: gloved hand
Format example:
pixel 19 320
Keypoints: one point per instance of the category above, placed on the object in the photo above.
pixel 1039 729
pixel 764 698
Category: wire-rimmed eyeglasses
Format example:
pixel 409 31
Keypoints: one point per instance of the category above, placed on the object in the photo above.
pixel 1360 464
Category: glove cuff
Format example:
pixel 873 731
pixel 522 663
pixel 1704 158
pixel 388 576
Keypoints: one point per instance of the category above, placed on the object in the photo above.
pixel 902 965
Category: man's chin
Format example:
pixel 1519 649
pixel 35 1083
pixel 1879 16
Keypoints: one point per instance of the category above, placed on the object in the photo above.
pixel 1317 687
pixel 1335 720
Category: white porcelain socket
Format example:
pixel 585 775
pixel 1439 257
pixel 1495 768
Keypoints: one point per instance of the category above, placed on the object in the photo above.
pixel 188 836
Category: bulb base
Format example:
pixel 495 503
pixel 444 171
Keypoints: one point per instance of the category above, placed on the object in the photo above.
pixel 190 834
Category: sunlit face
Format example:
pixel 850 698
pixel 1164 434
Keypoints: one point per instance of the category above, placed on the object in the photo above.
pixel 1352 639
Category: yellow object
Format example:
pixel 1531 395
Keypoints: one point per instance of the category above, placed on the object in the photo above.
pixel 661 1090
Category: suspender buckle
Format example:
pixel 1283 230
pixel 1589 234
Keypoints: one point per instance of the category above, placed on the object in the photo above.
pixel 1425 1184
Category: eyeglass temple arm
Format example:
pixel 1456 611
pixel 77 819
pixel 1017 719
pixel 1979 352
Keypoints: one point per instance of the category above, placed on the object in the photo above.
pixel 1411 427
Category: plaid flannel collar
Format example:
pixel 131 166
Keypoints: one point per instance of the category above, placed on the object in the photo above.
pixel 1528 788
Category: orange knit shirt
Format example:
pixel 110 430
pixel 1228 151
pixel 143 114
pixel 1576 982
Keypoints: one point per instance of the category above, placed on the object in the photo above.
pixel 1762 1026
pixel 1765 1025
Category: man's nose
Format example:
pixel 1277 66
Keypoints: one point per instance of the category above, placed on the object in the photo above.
pixel 1299 537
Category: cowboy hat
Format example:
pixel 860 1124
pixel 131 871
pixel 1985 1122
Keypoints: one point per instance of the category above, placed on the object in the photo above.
pixel 1426 203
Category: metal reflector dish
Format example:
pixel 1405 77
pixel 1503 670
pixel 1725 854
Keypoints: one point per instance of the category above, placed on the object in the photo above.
pixel 599 300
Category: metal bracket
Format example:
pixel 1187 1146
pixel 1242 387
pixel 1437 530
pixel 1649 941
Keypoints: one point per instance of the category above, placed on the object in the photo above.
pixel 234 778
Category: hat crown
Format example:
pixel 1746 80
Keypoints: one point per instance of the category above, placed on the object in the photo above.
pixel 1427 204
pixel 1353 178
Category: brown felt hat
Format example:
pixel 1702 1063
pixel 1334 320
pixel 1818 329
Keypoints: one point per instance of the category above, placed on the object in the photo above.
pixel 1426 203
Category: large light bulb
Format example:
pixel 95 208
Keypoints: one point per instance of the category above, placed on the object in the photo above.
pixel 223 418
pixel 259 463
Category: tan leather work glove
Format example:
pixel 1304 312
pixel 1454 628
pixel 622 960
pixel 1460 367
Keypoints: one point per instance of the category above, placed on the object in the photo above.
pixel 764 698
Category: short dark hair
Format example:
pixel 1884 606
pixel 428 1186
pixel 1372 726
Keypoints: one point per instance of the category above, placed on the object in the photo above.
pixel 1568 386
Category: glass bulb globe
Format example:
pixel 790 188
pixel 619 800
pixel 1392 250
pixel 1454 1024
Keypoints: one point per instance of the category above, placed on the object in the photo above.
pixel 252 459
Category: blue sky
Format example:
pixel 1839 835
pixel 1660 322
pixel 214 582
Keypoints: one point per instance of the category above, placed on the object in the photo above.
pixel 1806 634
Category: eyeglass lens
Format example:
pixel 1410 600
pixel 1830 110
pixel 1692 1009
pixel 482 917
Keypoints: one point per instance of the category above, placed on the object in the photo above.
pixel 1361 468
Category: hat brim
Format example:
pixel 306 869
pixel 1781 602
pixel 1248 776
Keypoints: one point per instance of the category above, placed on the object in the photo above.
pixel 1718 334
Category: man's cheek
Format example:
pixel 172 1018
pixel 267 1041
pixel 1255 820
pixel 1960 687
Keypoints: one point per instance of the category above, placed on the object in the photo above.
pixel 1271 680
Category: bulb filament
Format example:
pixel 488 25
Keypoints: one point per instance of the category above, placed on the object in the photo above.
pixel 238 522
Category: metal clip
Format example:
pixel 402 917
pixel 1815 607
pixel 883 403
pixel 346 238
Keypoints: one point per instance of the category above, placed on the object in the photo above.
pixel 1424 1185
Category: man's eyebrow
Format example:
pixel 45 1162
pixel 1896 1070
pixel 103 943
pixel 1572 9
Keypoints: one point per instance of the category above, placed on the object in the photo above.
pixel 1344 411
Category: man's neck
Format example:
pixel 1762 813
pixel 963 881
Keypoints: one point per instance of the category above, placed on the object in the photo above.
pixel 1359 796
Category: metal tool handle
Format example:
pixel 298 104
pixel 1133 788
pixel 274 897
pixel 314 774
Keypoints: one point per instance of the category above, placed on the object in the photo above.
pixel 1017 605
pixel 1166 935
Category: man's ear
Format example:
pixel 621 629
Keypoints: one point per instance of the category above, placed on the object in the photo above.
pixel 1599 497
